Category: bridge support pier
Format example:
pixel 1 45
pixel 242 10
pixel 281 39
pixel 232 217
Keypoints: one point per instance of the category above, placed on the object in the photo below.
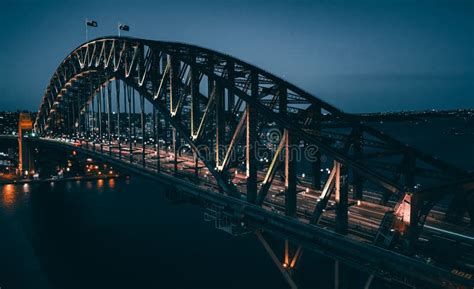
pixel 340 275
pixel 341 198
pixel 230 91
pixel 195 112
pixel 220 123
pixel 413 229
pixel 316 163
pixel 142 120
pixel 99 108
pixel 156 137
pixel 324 197
pixel 358 179
pixel 290 175
pixel 117 103
pixel 287 266
pixel 26 157
pixel 175 150
pixel 251 145
pixel 174 80
pixel 25 153
pixel 93 123
pixel 129 100
pixel 316 169
pixel 109 120
pixel 369 281
pixel 403 223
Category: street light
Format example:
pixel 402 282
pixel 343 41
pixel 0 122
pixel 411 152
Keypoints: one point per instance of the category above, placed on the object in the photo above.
pixel 91 23
pixel 122 27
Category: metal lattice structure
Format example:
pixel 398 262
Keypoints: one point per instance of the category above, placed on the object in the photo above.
pixel 222 110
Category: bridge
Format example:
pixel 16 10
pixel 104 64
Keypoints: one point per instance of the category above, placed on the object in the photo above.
pixel 251 147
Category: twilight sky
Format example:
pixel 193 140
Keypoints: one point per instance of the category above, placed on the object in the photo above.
pixel 362 56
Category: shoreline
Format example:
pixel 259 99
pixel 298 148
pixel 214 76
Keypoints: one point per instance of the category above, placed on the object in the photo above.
pixel 68 179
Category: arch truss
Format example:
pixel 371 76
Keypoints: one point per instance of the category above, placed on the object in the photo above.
pixel 240 130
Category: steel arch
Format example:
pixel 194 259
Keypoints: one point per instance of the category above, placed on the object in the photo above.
pixel 166 74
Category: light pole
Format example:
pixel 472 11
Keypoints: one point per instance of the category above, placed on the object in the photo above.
pixel 91 23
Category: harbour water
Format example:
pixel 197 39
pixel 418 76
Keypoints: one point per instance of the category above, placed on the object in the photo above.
pixel 124 234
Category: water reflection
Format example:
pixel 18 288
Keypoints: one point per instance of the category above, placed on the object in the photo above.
pixel 8 196
pixel 100 183
pixel 112 183
pixel 57 217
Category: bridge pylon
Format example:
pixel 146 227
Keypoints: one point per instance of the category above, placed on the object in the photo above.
pixel 25 159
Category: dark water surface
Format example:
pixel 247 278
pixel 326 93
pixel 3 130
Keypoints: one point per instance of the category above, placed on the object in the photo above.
pixel 125 234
